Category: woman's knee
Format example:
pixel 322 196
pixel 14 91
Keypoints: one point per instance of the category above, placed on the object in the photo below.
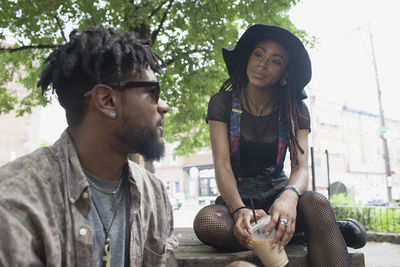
pixel 314 200
pixel 212 215
pixel 213 225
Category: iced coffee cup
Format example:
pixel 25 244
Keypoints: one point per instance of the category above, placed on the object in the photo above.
pixel 269 256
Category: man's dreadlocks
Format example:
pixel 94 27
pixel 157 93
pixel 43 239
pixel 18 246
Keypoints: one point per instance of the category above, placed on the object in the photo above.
pixel 97 55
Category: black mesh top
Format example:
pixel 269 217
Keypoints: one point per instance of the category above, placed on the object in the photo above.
pixel 258 135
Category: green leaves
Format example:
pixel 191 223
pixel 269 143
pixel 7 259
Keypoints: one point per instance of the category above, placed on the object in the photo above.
pixel 189 35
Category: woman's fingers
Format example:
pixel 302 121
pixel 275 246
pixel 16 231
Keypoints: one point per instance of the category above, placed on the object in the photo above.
pixel 284 230
pixel 243 240
pixel 272 224
pixel 242 229
pixel 280 230
pixel 288 233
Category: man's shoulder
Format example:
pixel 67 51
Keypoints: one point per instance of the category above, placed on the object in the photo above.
pixel 31 169
pixel 143 177
pixel 151 188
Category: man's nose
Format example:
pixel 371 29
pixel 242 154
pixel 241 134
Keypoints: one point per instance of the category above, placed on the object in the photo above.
pixel 162 106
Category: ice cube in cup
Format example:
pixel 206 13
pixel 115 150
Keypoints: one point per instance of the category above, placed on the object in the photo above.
pixel 259 229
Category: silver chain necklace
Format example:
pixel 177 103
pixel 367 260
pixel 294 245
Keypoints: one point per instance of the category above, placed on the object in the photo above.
pixel 101 189
pixel 113 193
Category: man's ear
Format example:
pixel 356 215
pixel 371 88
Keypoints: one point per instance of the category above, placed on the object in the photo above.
pixel 105 100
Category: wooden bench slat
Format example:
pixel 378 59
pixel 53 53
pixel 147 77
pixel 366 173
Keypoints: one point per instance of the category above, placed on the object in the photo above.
pixel 193 253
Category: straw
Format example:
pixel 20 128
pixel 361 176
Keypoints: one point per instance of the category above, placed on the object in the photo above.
pixel 252 208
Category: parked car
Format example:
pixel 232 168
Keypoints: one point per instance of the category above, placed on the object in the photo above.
pixel 377 202
pixel 175 202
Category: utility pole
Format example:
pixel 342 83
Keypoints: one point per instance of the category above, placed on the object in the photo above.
pixel 383 128
pixel 328 173
pixel 313 169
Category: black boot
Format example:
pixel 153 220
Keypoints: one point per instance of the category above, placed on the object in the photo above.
pixel 353 232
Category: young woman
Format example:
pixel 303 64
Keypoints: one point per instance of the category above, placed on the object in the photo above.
pixel 256 116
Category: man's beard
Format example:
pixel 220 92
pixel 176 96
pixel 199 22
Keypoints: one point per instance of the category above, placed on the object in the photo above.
pixel 145 141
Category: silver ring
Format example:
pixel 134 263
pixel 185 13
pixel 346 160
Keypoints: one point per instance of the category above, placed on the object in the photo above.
pixel 284 222
pixel 260 68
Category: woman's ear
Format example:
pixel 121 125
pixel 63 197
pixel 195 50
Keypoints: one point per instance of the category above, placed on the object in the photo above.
pixel 105 100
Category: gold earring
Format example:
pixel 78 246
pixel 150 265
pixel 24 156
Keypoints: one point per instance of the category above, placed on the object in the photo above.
pixel 283 82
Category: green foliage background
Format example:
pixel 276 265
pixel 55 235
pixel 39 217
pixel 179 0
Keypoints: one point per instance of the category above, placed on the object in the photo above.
pixel 375 219
pixel 188 34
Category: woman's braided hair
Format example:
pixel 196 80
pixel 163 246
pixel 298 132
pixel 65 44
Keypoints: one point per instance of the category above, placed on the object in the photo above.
pixel 96 55
pixel 287 98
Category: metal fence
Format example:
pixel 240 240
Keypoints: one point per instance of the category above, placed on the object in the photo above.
pixel 375 219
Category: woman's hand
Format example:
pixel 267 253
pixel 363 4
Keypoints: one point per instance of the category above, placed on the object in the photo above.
pixel 242 230
pixel 283 213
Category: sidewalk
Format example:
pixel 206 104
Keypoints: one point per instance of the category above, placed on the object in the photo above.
pixel 184 216
pixel 381 254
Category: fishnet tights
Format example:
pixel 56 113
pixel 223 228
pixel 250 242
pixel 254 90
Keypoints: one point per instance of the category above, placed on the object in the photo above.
pixel 213 225
pixel 326 246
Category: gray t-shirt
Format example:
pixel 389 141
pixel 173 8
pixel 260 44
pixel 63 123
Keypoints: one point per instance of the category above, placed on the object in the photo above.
pixel 119 231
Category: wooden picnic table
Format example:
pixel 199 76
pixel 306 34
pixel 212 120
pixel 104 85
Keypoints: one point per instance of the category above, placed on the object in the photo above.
pixel 193 253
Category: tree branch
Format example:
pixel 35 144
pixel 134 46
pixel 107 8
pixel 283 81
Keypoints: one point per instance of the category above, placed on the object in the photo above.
pixel 91 17
pixel 26 47
pixel 54 14
pixel 93 21
pixel 59 26
pixel 160 25
pixel 157 9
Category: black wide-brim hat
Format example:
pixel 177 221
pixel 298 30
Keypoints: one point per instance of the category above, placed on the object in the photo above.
pixel 298 54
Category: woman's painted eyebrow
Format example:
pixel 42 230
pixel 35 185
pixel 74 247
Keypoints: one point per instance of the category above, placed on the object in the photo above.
pixel 276 55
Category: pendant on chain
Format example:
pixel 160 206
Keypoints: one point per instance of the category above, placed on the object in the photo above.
pixel 107 252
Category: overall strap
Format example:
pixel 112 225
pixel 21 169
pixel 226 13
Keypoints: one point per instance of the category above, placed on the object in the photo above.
pixel 234 130
pixel 282 144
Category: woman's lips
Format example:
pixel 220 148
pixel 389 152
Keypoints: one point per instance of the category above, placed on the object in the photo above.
pixel 258 75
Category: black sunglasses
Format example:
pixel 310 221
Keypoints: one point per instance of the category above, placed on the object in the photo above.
pixel 122 85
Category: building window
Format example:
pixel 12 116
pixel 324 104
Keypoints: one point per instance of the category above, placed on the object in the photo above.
pixel 177 187
pixel 335 128
pixel 208 187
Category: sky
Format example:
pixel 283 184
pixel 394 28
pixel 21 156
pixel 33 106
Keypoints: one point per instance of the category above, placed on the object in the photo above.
pixel 343 72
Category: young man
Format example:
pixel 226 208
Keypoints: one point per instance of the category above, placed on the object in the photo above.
pixel 81 202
